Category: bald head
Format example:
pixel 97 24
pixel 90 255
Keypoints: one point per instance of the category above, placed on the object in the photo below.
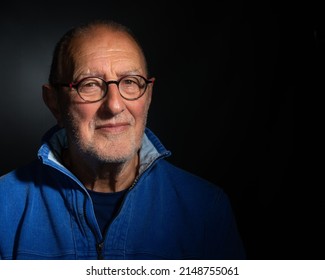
pixel 71 42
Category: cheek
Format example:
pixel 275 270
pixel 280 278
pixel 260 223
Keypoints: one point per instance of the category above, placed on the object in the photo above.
pixel 85 112
pixel 81 116
pixel 139 112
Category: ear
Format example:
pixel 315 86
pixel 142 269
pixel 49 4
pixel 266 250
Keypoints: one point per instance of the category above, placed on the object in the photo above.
pixel 51 99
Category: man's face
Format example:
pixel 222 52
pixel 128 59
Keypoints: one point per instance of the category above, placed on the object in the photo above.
pixel 110 130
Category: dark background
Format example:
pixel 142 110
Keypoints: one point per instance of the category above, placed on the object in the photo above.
pixel 237 100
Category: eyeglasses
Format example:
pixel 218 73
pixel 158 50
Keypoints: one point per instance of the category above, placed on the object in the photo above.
pixel 93 89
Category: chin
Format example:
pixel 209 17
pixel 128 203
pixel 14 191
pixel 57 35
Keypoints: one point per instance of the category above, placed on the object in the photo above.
pixel 114 154
pixel 113 159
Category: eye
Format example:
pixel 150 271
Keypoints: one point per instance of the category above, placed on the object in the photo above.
pixel 90 85
pixel 129 81
pixel 133 81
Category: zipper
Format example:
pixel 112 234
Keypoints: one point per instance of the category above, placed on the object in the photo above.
pixel 99 249
pixel 100 244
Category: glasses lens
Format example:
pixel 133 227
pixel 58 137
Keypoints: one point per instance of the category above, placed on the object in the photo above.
pixel 91 89
pixel 132 87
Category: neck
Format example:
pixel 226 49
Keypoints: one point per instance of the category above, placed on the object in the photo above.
pixel 103 177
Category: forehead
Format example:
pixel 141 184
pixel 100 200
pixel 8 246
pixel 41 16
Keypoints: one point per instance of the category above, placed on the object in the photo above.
pixel 103 51
pixel 101 40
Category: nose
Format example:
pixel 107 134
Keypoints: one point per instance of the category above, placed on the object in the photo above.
pixel 113 101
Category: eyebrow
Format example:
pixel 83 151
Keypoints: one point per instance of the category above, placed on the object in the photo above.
pixel 101 75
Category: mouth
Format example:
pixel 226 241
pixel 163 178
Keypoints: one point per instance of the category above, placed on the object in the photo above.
pixel 113 128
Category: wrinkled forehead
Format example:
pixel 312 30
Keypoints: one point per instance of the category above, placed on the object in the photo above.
pixel 104 39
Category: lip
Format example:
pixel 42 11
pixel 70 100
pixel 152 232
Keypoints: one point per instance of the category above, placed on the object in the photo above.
pixel 113 128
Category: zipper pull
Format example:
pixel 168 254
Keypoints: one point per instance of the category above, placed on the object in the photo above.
pixel 99 249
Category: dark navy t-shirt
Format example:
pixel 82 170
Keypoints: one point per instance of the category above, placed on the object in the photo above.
pixel 106 206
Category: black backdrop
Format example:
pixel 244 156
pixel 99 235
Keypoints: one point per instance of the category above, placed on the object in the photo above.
pixel 236 100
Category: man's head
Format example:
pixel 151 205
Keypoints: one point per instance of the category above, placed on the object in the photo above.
pixel 111 129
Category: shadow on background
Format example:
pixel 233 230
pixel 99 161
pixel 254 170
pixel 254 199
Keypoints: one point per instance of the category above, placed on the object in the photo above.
pixel 227 79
